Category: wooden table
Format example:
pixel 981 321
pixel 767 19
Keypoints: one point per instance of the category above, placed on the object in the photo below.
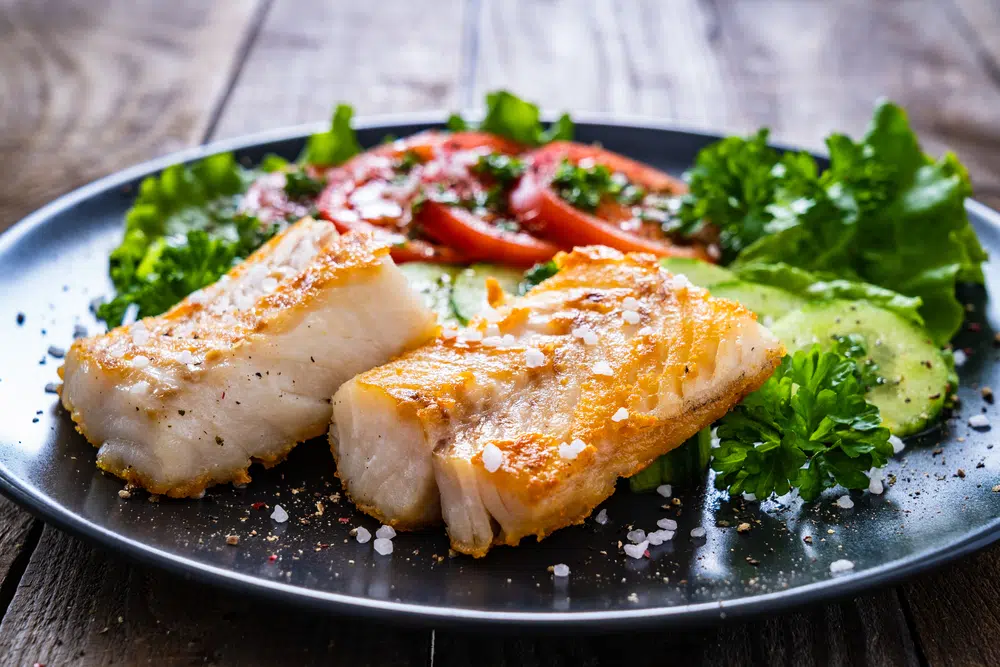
pixel 90 86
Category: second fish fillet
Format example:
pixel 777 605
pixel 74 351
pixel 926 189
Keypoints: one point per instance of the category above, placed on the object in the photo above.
pixel 521 423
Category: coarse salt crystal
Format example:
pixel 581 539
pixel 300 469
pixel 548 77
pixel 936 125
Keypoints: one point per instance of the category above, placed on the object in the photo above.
pixel 383 546
pixel 140 361
pixel 681 280
pixel 493 341
pixel 979 421
pixel 268 285
pixel 508 340
pixel 620 416
pixel 387 532
pixel 897 444
pixel 492 330
pixel 590 338
pixel 492 457
pixel 645 331
pixel 471 335
pixel 560 570
pixel 572 450
pixel 842 565
pixel 362 534
pixel 636 536
pixel 279 514
pixel 660 536
pixel 845 502
pixel 197 296
pixel 667 524
pixel 636 550
pixel 960 358
pixel 448 333
pixel 602 517
pixel 698 532
pixel 665 490
pixel 630 303
pixel 185 357
pixel 140 387
pixel 534 358
pixel 631 317
pixel 602 368
pixel 875 486
pixel 749 496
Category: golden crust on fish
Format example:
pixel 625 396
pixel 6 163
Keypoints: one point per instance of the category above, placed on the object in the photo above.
pixel 522 423
pixel 242 370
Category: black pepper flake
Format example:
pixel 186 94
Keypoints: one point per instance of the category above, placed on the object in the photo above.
pixel 219 441
pixel 34 420
pixel 312 360
pixel 20 319
pixel 258 374
pixel 181 412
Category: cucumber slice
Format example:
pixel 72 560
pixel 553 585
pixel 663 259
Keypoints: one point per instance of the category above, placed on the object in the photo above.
pixel 698 272
pixel 768 302
pixel 468 298
pixel 915 372
pixel 684 466
pixel 434 283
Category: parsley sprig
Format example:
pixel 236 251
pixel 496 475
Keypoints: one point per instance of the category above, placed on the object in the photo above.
pixel 808 427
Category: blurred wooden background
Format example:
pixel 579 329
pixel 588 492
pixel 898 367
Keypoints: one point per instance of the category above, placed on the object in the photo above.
pixel 91 86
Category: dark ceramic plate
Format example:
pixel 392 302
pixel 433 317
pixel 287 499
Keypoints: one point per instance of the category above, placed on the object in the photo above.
pixel 54 262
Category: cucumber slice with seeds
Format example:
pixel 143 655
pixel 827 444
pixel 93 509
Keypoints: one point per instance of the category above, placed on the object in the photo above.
pixel 698 272
pixel 916 376
pixel 468 298
pixel 770 303
pixel 434 283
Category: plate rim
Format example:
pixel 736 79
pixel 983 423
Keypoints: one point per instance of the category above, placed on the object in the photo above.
pixel 35 501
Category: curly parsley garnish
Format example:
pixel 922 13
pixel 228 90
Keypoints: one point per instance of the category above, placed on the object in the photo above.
pixel 809 428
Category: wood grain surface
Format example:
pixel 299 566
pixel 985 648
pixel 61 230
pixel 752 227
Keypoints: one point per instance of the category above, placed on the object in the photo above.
pixel 88 87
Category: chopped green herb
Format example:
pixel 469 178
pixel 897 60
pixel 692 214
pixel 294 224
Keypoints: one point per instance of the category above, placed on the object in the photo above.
pixel 537 274
pixel 504 169
pixel 337 144
pixel 300 185
pixel 852 346
pixel 585 187
pixel 509 116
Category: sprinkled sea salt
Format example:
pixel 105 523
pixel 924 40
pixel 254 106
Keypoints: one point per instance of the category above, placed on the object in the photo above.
pixel 533 357
pixel 279 514
pixel 631 317
pixel 586 334
pixel 660 536
pixel 897 444
pixel 197 296
pixel 140 387
pixel 140 336
pixel 508 340
pixel 362 534
pixel 749 496
pixel 602 368
pixel 492 330
pixel 845 502
pixel 387 532
pixel 560 570
pixel 471 335
pixel 448 333
pixel 636 536
pixel 383 546
pixel 698 532
pixel 842 565
pixel 960 358
pixel 140 361
pixel 268 285
pixel 979 421
pixel 667 524
pixel 645 331
pixel 602 517
pixel 572 450
pixel 665 490
pixel 185 357
pixel 875 486
pixel 492 457
pixel 630 303
pixel 492 341
pixel 636 550
pixel 620 416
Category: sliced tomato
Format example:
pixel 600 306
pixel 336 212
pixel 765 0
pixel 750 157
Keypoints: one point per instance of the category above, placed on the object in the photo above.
pixel 479 239
pixel 539 206
pixel 404 249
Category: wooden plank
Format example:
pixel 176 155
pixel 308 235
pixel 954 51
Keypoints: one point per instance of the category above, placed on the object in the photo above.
pixel 382 57
pixel 803 68
pixel 869 630
pixel 955 611
pixel 97 86
pixel 80 606
pixel 19 533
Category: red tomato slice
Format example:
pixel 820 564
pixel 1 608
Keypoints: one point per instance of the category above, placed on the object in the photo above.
pixel 537 204
pixel 477 238
pixel 404 249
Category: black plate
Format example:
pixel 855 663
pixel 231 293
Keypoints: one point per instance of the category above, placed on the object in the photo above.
pixel 54 262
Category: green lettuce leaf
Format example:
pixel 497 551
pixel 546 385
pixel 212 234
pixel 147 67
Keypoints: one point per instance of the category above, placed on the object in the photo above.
pixel 507 115
pixel 335 145
pixel 884 213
